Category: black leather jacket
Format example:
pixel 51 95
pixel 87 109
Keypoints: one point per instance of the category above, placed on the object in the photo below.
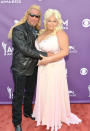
pixel 25 56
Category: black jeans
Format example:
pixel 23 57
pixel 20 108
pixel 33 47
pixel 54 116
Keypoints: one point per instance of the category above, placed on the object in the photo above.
pixel 23 87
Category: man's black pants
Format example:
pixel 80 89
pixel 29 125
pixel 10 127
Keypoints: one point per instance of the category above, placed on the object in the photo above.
pixel 23 87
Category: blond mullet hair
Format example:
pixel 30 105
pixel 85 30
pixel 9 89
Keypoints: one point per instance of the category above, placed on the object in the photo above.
pixel 57 14
pixel 24 19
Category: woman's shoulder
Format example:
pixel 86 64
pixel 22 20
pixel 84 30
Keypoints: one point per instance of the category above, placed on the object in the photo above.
pixel 61 33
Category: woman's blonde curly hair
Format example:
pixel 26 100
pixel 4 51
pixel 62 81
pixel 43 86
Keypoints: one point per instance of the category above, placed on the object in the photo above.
pixel 23 20
pixel 57 14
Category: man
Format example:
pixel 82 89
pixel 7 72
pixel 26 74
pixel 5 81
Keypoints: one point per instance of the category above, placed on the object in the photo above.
pixel 24 62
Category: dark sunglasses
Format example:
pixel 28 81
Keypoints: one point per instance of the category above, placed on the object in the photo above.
pixel 32 15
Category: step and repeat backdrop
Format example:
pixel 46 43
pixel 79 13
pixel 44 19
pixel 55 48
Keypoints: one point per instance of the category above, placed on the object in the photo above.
pixel 76 22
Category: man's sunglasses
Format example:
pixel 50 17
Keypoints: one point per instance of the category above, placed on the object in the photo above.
pixel 32 15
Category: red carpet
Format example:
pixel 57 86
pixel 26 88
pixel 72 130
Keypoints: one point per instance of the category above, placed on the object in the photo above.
pixel 82 110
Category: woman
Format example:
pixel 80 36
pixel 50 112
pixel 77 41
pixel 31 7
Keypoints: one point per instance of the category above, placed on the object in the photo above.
pixel 52 105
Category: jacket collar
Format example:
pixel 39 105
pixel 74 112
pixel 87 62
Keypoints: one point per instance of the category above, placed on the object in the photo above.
pixel 29 28
pixel 32 29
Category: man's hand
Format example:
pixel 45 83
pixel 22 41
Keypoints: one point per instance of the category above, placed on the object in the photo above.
pixel 44 61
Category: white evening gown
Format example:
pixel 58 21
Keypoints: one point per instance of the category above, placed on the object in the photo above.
pixel 52 104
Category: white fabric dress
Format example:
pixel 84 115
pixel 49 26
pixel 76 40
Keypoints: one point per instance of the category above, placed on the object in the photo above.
pixel 52 104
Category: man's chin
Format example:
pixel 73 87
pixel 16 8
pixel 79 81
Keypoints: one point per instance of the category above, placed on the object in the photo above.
pixel 33 24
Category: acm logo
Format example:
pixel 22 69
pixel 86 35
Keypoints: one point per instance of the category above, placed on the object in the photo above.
pixel 7 49
pixel 72 93
pixel 89 90
pixel 72 49
pixel 10 93
pixel 65 24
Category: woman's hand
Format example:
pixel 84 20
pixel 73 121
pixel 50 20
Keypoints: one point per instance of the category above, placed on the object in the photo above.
pixel 44 61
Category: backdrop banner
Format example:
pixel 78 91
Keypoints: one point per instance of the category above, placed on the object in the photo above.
pixel 76 23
